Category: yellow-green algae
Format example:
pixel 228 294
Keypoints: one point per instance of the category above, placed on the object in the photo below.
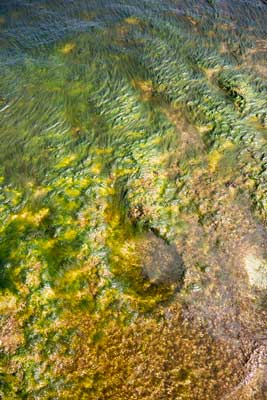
pixel 159 128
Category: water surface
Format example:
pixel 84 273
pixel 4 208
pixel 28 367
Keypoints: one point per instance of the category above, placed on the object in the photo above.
pixel 133 199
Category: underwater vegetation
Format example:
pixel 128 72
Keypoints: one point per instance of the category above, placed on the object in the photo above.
pixel 133 200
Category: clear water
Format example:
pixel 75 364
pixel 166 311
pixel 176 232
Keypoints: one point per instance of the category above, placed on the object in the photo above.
pixel 133 200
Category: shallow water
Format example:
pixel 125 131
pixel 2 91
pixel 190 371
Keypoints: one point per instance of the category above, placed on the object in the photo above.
pixel 133 200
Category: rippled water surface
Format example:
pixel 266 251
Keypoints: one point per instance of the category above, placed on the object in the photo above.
pixel 133 199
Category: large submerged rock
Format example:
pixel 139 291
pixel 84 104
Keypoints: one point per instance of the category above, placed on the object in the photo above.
pixel 162 264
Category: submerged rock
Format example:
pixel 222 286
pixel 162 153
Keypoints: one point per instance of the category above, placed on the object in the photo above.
pixel 256 268
pixel 161 261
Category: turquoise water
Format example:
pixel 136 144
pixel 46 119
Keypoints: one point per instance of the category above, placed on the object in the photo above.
pixel 133 200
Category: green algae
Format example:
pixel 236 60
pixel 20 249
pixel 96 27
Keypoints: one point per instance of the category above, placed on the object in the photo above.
pixel 152 131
